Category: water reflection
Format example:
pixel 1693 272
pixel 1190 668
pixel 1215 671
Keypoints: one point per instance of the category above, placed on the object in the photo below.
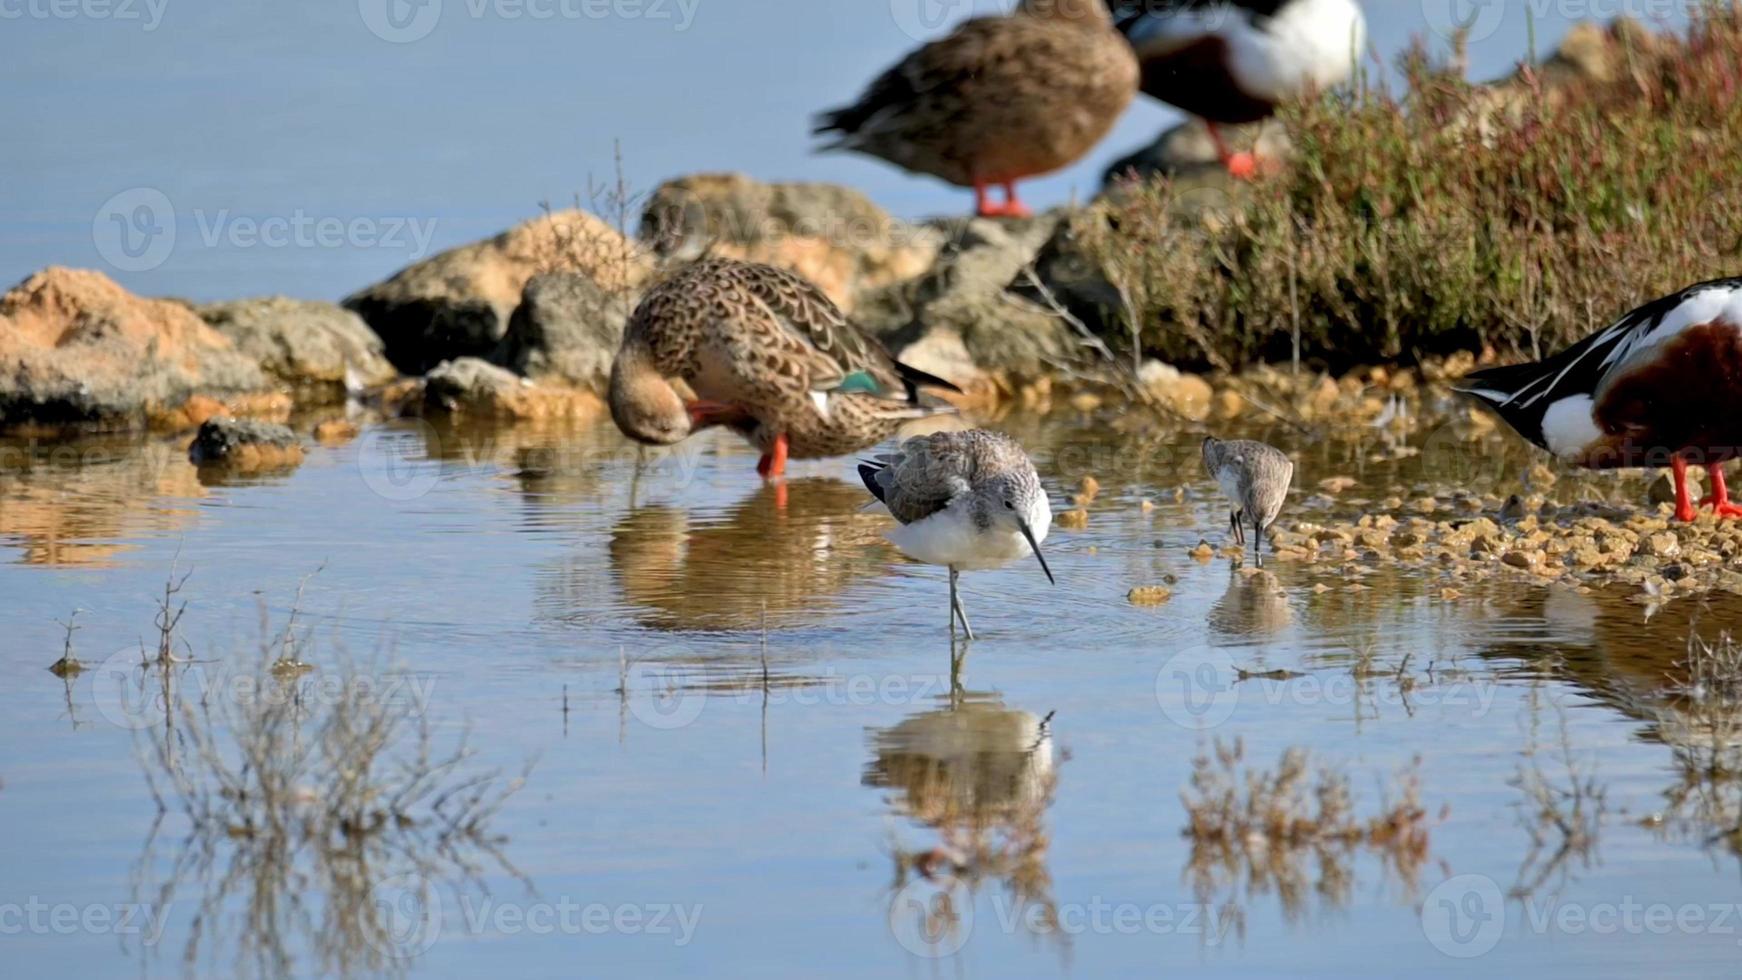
pixel 979 777
pixel 85 503
pixel 1681 680
pixel 1254 607
pixel 683 571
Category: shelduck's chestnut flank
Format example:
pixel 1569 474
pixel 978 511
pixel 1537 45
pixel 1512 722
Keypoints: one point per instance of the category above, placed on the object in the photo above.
pixel 1660 387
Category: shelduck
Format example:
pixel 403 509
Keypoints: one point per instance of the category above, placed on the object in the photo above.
pixel 1662 386
pixel 1234 61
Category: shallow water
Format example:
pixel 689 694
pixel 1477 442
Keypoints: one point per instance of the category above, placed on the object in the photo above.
pixel 749 746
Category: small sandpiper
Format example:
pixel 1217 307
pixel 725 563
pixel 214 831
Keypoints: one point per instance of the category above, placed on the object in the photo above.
pixel 966 500
pixel 1255 477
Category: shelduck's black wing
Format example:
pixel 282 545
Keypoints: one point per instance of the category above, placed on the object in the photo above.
pixel 1144 21
pixel 1522 393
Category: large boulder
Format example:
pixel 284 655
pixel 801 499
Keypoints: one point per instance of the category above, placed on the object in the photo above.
pixel 77 349
pixel 964 311
pixel 304 343
pixel 565 332
pixel 834 236
pixel 458 303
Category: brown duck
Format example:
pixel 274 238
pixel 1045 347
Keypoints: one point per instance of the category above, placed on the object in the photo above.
pixel 999 100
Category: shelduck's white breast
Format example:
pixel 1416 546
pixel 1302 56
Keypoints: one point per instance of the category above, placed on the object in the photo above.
pixel 1309 43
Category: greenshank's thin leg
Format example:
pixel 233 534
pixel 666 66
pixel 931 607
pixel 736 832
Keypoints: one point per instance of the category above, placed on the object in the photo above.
pixel 956 606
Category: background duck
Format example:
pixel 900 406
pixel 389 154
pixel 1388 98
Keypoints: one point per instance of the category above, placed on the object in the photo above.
pixel 766 353
pixel 1662 386
pixel 998 100
pixel 1234 61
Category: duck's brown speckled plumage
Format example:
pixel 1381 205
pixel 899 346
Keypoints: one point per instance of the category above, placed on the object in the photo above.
pixel 999 99
pixel 771 344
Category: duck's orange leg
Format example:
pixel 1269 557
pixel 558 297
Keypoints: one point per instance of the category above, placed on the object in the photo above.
pixel 1720 498
pixel 1242 165
pixel 1013 206
pixel 1684 508
pixel 773 462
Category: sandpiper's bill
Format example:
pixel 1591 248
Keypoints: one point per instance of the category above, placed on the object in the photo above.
pixel 1255 478
pixel 966 500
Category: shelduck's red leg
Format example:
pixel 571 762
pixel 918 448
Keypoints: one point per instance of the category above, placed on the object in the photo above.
pixel 1013 206
pixel 773 462
pixel 1242 165
pixel 1684 508
pixel 983 205
pixel 1720 498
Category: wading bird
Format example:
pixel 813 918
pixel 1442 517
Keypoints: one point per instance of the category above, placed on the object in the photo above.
pixel 998 100
pixel 1234 61
pixel 766 354
pixel 1255 478
pixel 1662 386
pixel 966 500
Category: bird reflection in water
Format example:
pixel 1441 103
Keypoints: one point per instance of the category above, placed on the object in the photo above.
pixel 981 777
pixel 686 572
pixel 1254 607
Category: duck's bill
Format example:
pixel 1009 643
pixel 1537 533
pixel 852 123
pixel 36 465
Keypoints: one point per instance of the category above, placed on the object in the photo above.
pixel 1037 555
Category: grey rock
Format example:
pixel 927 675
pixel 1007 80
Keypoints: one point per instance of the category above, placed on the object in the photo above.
pixel 469 382
pixel 565 331
pixel 969 293
pixel 220 440
pixel 302 342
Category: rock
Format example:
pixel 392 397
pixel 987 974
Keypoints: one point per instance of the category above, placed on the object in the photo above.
pixel 1187 150
pixel 1184 394
pixel 470 386
pixel 302 342
pixel 1662 488
pixel 336 432
pixel 77 349
pixel 967 293
pixel 458 303
pixel 834 236
pixel 245 445
pixel 1149 595
pixel 565 331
